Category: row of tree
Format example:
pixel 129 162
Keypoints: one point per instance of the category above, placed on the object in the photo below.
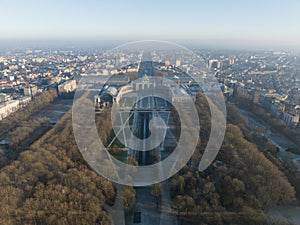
pixel 50 183
pixel 242 184
pixel 261 114
pixel 21 129
pixel 40 101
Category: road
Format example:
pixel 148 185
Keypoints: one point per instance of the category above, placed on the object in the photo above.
pixel 278 139
pixel 145 202
pixel 55 110
pixel 291 213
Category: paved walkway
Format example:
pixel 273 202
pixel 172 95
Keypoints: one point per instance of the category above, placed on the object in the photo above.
pixel 117 211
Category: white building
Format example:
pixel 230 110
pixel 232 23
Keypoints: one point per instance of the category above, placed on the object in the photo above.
pixel 67 87
pixel 4 97
pixel 6 108
pixel 290 119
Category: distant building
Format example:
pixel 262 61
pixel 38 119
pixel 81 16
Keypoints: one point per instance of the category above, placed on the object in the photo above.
pixel 267 100
pixel 256 96
pixel 8 107
pixel 4 97
pixel 179 95
pixel 118 80
pixel 277 108
pixel 294 96
pixel 214 64
pixel 24 101
pixel 290 119
pixel 67 87
pixel 242 91
pixel 30 90
pixel 106 97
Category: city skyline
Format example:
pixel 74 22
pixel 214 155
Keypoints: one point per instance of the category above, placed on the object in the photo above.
pixel 134 112
pixel 219 23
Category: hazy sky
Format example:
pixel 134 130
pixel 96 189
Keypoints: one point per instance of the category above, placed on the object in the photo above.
pixel 227 21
